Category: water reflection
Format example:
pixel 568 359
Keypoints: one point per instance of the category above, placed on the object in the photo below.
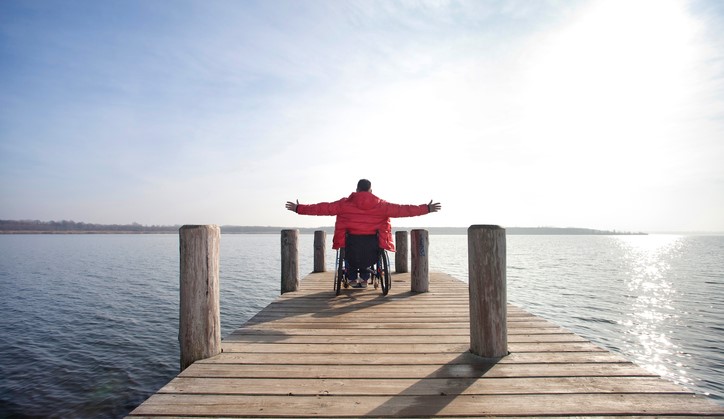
pixel 656 299
pixel 651 308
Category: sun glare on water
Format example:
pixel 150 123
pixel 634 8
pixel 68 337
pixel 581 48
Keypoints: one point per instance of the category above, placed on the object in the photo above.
pixel 652 301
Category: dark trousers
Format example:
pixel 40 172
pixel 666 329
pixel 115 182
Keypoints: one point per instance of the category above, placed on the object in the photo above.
pixel 360 254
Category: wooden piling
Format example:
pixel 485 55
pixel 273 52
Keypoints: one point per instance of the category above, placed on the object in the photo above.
pixel 290 261
pixel 401 252
pixel 199 317
pixel 487 291
pixel 420 277
pixel 320 238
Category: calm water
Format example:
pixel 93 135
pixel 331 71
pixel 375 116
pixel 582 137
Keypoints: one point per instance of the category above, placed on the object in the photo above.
pixel 90 322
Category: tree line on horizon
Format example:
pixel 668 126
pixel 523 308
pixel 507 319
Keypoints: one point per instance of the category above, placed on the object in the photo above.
pixel 73 226
pixel 66 226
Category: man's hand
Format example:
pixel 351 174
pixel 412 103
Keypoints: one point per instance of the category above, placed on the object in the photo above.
pixel 434 207
pixel 291 206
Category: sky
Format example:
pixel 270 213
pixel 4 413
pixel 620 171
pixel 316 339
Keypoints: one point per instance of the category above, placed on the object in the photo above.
pixel 596 114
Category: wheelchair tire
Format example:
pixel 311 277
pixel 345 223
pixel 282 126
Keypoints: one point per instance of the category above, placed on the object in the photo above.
pixel 385 274
pixel 339 273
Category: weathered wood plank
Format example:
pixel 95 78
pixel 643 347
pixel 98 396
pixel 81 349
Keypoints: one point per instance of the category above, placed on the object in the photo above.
pixel 403 348
pixel 271 331
pixel 377 325
pixel 415 387
pixel 380 339
pixel 430 358
pixel 425 406
pixel 418 371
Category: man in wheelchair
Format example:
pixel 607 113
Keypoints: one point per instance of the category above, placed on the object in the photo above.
pixel 362 219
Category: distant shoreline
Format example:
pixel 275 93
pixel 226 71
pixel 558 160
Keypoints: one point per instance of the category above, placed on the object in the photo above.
pixel 72 227
pixel 53 232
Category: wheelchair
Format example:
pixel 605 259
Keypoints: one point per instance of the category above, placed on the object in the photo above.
pixel 362 253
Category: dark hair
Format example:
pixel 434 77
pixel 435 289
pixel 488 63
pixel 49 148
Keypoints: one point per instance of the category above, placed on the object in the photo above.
pixel 364 185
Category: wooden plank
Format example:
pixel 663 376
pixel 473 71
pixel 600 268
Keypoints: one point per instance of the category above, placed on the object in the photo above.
pixel 418 371
pixel 425 406
pixel 416 387
pixel 384 339
pixel 461 331
pixel 401 348
pixel 430 358
pixel 380 326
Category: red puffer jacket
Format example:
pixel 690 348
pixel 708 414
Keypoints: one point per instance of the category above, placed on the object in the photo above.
pixel 363 213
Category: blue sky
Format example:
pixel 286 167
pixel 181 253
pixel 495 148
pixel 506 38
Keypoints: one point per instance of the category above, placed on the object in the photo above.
pixel 600 114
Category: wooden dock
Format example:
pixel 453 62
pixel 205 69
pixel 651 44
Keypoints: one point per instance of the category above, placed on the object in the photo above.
pixel 313 354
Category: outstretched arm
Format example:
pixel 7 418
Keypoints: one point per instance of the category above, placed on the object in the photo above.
pixel 434 207
pixel 397 210
pixel 291 206
pixel 322 208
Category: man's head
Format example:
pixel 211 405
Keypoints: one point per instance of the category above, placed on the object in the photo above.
pixel 364 185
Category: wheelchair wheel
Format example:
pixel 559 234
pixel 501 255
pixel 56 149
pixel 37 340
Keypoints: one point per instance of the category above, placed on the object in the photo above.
pixel 339 272
pixel 384 267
